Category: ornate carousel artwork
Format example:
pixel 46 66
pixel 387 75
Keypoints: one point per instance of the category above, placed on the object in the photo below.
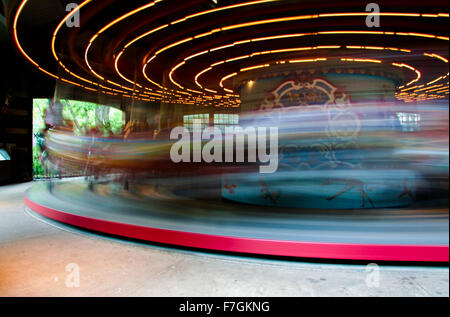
pixel 321 164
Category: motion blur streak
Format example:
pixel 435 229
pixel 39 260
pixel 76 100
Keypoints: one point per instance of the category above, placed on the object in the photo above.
pixel 366 149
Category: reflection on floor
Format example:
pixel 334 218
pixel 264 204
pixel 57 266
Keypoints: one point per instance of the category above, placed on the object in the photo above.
pixel 41 259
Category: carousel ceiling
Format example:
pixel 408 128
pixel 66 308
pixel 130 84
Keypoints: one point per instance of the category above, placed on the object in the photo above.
pixel 191 52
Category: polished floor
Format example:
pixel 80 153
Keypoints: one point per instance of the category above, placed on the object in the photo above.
pixel 42 258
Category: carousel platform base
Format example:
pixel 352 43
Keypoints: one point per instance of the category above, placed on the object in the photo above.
pixel 220 225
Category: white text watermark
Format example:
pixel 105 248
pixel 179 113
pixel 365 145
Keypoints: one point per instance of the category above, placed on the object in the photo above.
pixel 260 146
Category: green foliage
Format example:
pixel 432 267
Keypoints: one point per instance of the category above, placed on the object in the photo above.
pixel 39 107
pixel 85 114
pixel 81 112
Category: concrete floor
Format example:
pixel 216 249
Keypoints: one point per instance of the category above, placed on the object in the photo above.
pixel 41 259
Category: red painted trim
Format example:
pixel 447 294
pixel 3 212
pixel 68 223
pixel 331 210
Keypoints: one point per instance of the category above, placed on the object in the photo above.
pixel 423 253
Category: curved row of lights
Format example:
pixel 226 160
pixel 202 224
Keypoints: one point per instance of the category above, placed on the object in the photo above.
pixel 298 49
pixel 123 17
pixel 150 94
pixel 429 91
pixel 315 60
pixel 146 65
